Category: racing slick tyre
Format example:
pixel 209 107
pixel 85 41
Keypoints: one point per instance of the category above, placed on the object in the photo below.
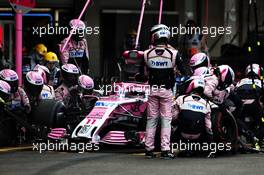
pixel 225 129
pixel 46 113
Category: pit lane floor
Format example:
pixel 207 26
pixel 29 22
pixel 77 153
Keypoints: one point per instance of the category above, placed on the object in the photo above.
pixel 123 162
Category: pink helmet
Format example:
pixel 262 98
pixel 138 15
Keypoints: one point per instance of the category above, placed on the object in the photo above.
pixel 79 24
pixel 255 70
pixel 226 74
pixel 70 74
pixel 5 90
pixel 34 83
pixel 86 82
pixel 201 71
pixel 11 78
pixel 44 71
pixel 195 83
pixel 199 60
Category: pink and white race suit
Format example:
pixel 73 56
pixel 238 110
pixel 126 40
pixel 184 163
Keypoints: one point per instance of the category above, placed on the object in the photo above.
pixel 194 107
pixel 76 52
pixel 211 91
pixel 160 61
pixel 246 91
pixel 47 92
pixel 20 99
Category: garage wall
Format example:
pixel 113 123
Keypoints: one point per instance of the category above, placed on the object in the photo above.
pixel 92 18
pixel 243 18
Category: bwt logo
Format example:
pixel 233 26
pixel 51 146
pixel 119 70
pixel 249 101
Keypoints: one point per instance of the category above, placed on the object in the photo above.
pixel 104 104
pixel 76 54
pixel 196 107
pixel 201 82
pixel 158 63
pixel 45 95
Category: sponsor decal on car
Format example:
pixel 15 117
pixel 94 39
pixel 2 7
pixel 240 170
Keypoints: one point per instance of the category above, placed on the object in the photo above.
pixel 104 104
pixel 84 129
pixel 97 113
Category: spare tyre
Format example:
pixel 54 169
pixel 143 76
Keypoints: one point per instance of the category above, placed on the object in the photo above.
pixel 46 113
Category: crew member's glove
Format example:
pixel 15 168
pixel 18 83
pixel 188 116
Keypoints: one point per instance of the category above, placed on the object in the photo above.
pixel 2 103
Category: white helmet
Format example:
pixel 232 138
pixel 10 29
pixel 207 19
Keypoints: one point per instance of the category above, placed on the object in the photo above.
pixel 195 83
pixel 70 74
pixel 5 91
pixel 227 75
pixel 199 60
pixel 160 31
pixel 201 71
pixel 44 71
pixel 77 24
pixel 79 27
pixel 255 70
pixel 33 83
pixel 86 82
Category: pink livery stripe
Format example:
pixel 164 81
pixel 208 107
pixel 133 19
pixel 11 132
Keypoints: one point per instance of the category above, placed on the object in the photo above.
pixel 115 137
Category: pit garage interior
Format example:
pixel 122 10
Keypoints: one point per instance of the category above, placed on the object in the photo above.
pixel 115 22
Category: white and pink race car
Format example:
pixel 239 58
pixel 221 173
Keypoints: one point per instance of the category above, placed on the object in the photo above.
pixel 117 119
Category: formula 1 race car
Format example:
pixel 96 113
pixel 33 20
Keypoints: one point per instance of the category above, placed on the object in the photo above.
pixel 118 119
